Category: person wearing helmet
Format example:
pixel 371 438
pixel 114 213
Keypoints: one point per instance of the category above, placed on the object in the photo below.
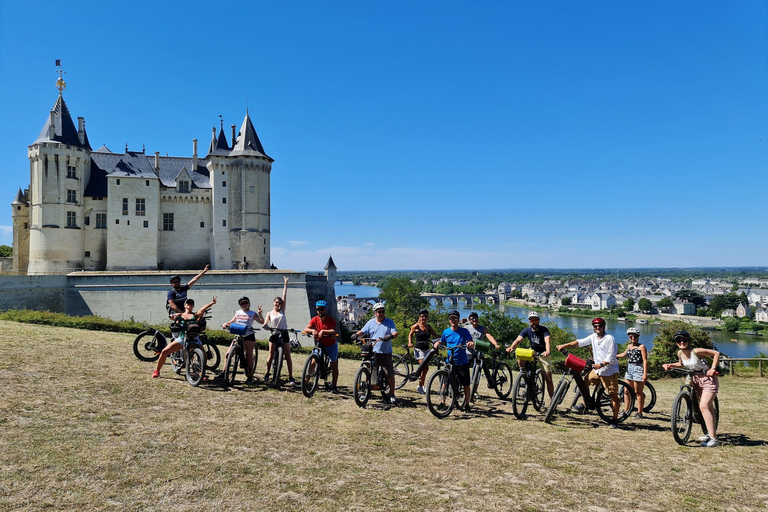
pixel 706 384
pixel 453 338
pixel 276 320
pixel 174 302
pixel 245 316
pixel 382 329
pixel 323 329
pixel 539 338
pixel 185 319
pixel 606 367
pixel 637 368
pixel 423 332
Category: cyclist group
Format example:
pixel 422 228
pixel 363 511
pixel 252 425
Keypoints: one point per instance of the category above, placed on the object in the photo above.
pixel 382 330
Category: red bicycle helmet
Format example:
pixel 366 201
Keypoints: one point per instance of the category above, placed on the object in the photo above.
pixel 598 321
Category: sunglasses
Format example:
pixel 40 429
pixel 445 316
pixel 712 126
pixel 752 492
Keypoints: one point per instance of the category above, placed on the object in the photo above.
pixel 321 309
pixel 682 341
pixel 244 302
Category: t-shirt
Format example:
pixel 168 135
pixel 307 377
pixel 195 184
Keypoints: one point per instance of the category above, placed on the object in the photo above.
pixel 536 338
pixel 178 297
pixel 454 339
pixel 603 349
pixel 245 318
pixel 321 324
pixel 374 330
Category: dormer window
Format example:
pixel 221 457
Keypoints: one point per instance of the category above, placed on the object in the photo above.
pixel 184 187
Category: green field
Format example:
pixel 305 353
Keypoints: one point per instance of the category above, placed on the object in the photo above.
pixel 83 426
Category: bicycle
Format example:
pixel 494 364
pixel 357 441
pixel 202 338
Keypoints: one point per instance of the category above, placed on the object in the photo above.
pixel 236 356
pixel 368 372
pixel 191 357
pixel 443 388
pixel 686 410
pixel 529 385
pixel 316 367
pixel 403 366
pixel 150 349
pixel 278 356
pixel 498 374
pixel 599 400
pixel 650 397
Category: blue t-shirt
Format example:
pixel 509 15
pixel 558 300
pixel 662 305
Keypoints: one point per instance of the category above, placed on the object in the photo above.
pixel 178 297
pixel 453 339
pixel 536 338
pixel 375 330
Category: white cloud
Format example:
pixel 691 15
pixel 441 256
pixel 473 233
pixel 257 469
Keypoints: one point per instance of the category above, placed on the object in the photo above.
pixel 297 243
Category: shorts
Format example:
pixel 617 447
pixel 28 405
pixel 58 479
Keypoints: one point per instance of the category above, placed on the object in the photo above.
pixel 275 337
pixel 634 373
pixel 545 363
pixel 706 383
pixel 250 337
pixel 420 354
pixel 384 361
pixel 610 383
pixel 462 373
pixel 333 352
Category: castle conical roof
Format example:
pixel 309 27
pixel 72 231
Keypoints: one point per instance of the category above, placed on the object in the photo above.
pixel 248 142
pixel 64 128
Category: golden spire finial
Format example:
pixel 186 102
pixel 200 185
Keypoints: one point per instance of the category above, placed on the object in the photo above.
pixel 60 83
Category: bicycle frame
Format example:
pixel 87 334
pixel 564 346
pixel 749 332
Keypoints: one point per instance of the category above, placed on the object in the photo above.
pixel 682 421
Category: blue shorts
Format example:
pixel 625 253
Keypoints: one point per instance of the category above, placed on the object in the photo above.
pixel 634 372
pixel 333 352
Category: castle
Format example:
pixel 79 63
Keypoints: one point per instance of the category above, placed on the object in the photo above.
pixel 99 210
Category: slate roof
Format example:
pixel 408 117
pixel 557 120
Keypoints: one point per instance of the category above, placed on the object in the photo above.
pixel 20 199
pixel 248 142
pixel 65 131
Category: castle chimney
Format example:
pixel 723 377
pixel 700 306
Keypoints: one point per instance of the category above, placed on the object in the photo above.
pixel 81 129
pixel 194 155
pixel 52 126
pixel 233 136
pixel 157 160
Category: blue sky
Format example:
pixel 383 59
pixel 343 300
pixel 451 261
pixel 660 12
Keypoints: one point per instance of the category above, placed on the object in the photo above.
pixel 432 135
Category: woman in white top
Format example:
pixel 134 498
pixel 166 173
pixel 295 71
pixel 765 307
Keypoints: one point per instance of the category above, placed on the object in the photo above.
pixel 276 320
pixel 706 385
pixel 245 316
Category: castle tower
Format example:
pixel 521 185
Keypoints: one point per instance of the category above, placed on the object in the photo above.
pixel 60 165
pixel 240 180
pixel 20 216
pixel 330 271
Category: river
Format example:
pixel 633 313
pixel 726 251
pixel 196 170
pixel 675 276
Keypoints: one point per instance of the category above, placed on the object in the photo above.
pixel 744 346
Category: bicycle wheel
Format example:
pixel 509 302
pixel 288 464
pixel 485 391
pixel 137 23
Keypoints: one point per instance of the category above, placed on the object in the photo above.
pixel 503 380
pixel 602 401
pixel 560 392
pixel 440 396
pixel 402 369
pixel 538 391
pixel 681 417
pixel 148 345
pixel 277 364
pixel 520 395
pixel 716 417
pixel 212 355
pixel 196 366
pixel 362 386
pixel 230 365
pixel 650 396
pixel 477 373
pixel 310 375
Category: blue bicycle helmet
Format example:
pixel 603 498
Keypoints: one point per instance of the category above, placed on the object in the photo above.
pixel 321 304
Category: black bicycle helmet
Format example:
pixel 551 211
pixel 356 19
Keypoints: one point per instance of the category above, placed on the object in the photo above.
pixel 175 278
pixel 684 335
pixel 243 299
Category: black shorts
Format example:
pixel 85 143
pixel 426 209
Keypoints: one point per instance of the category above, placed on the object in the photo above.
pixel 462 373
pixel 275 337
pixel 384 361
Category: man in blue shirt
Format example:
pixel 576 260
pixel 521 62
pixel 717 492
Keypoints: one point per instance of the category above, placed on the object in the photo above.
pixel 174 301
pixel 453 338
pixel 539 338
pixel 382 329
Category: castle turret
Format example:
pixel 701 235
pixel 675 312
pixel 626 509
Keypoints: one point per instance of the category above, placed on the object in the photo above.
pixel 20 216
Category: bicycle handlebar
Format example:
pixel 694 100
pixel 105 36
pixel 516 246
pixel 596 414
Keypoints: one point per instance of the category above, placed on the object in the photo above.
pixel 691 372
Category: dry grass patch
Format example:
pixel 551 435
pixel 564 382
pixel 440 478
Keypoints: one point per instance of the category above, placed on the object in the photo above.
pixel 83 426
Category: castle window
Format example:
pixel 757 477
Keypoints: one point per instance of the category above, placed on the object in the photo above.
pixel 146 223
pixel 117 182
pixel 224 223
pixel 202 224
pixel 223 183
pixel 141 207
pixel 125 206
pixel 167 222
pixel 87 221
pixel 146 183
pixel 71 171
pixel 101 221
pixel 71 196
pixel 71 219
pixel 117 221
pixel 224 200
pixel 87 254
pixel 184 187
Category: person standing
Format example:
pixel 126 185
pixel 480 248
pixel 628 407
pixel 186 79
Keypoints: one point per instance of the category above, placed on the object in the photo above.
pixel 174 302
pixel 453 338
pixel 539 338
pixel 276 320
pixel 423 332
pixel 606 367
pixel 382 329
pixel 245 317
pixel 185 319
pixel 323 329
pixel 637 369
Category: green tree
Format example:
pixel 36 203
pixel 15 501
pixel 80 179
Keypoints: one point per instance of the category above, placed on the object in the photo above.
pixel 502 327
pixel 665 349
pixel 644 304
pixel 691 296
pixel 731 324
pixel 666 302
pixel 629 304
pixel 720 303
pixel 403 300
pixel 565 301
pixel 6 251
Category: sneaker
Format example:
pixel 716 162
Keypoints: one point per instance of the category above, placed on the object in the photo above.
pixel 639 415
pixel 393 400
pixel 249 380
pixel 711 443
pixel 291 382
pixel 155 374
pixel 613 425
pixel 578 408
pixel 704 438
pixel 420 390
pixel 334 389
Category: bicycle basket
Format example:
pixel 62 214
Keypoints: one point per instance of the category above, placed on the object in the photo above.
pixel 295 343
pixel 524 354
pixel 366 350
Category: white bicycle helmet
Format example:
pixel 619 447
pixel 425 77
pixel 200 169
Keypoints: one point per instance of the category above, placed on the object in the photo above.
pixel 534 314
pixel 378 306
pixel 633 330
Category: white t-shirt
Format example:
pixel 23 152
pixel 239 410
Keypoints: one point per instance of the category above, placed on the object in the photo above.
pixel 603 350
pixel 245 318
